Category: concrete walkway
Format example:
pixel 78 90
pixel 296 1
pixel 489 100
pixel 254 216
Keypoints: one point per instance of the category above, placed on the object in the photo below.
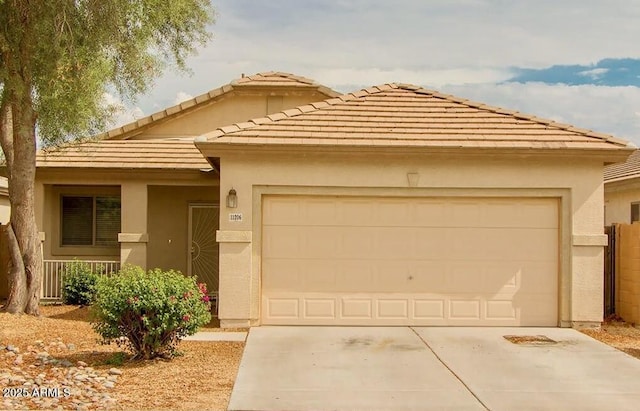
pixel 402 368
pixel 217 336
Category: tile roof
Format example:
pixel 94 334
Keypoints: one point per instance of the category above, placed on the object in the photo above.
pixel 266 79
pixel 274 78
pixel 403 115
pixel 125 154
pixel 624 171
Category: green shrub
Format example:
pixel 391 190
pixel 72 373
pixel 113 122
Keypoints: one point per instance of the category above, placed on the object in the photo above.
pixel 78 283
pixel 149 312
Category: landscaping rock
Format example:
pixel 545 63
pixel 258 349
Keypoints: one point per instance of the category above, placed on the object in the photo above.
pixel 79 387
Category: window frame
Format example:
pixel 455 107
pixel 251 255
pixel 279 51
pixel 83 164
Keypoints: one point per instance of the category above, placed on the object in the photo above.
pixel 97 251
pixel 94 219
pixel 637 205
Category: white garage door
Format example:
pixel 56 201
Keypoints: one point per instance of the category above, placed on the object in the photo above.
pixel 410 261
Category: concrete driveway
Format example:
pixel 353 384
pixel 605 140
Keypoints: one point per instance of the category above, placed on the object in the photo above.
pixel 427 368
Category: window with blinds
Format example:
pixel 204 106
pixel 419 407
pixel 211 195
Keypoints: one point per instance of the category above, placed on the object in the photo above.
pixel 90 221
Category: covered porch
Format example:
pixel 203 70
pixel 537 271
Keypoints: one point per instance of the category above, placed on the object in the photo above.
pixel 157 207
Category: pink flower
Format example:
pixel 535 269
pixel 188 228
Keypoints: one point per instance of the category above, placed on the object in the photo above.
pixel 205 298
pixel 186 318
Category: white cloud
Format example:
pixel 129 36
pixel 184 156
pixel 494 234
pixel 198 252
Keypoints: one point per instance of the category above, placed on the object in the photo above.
pixel 182 96
pixel 123 114
pixel 594 74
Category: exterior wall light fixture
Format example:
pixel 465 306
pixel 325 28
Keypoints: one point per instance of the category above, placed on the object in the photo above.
pixel 232 199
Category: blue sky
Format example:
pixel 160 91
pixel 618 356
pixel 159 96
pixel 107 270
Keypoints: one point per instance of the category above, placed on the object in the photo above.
pixel 572 61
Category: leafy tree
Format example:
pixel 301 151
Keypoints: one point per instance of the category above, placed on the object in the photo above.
pixel 57 59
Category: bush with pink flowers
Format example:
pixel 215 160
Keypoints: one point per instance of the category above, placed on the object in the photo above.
pixel 149 312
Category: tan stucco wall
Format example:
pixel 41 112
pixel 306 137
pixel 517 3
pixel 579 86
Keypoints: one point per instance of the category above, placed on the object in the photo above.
pixel 5 210
pixel 618 197
pixel 230 109
pixel 168 223
pixel 133 188
pixel 577 183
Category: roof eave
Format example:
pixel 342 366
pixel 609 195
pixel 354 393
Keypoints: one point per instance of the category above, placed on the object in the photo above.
pixel 210 148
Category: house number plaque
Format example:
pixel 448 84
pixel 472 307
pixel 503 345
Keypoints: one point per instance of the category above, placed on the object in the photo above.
pixel 235 217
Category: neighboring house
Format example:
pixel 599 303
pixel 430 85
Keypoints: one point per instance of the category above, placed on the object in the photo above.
pixel 5 213
pixel 393 205
pixel 5 207
pixel 622 191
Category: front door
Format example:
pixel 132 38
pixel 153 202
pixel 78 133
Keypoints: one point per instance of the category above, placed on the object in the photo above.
pixel 203 252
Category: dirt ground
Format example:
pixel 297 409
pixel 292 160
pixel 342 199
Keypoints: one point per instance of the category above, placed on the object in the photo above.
pixel 202 378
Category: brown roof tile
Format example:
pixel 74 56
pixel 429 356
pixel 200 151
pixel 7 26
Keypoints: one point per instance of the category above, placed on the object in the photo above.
pixel 397 115
pixel 125 154
pixel 623 171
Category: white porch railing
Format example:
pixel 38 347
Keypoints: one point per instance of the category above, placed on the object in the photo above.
pixel 53 270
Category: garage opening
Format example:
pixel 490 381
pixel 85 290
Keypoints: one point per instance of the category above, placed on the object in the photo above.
pixel 461 261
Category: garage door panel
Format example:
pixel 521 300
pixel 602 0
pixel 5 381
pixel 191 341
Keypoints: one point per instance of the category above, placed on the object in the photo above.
pixel 489 262
pixel 533 278
pixel 355 243
pixel 501 310
pixel 319 212
pixel 429 275
pixel 282 211
pixel 318 242
pixel 430 213
pixel 356 213
pixel 392 243
pixel 467 277
pixel 393 213
pixel 464 213
pixel 356 308
pixel 433 246
pixel 355 275
pixel 390 276
pixel 319 308
pixel 396 309
pixel 429 309
pixel 285 275
pixel 283 241
pixel 283 309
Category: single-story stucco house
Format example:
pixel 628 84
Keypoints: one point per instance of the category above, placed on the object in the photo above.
pixel 393 205
pixel 622 191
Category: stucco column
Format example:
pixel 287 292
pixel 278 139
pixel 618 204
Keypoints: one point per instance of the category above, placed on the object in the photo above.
pixel 133 235
pixel 39 194
pixel 235 278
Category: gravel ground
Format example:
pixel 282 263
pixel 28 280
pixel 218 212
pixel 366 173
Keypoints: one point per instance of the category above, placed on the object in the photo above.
pixel 56 362
pixel 618 334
